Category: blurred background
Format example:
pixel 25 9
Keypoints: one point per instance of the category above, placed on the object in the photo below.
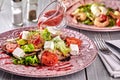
pixel 6 12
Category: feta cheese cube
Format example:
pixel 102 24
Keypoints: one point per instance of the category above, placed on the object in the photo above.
pixel 49 45
pixel 74 49
pixel 18 53
pixel 52 30
pixel 25 35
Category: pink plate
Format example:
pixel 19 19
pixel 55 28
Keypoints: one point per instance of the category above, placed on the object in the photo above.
pixel 114 4
pixel 87 55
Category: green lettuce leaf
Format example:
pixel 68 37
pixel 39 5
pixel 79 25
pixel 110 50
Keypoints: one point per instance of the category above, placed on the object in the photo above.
pixel 22 42
pixel 28 48
pixel 46 35
pixel 61 46
pixel 29 60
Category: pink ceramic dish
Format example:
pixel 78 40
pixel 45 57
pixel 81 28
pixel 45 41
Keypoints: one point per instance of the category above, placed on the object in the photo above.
pixel 88 53
pixel 114 4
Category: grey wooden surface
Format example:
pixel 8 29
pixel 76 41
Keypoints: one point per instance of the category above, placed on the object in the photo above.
pixel 96 71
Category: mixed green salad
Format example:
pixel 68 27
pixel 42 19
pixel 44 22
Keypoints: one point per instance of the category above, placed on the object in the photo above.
pixel 41 47
pixel 96 14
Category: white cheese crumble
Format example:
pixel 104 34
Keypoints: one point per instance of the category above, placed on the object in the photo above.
pixel 49 45
pixel 18 53
pixel 74 49
pixel 25 35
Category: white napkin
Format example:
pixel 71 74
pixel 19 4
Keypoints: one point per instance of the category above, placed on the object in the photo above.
pixel 117 44
pixel 111 62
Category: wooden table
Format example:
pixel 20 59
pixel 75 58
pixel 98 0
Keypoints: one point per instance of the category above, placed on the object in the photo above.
pixel 96 71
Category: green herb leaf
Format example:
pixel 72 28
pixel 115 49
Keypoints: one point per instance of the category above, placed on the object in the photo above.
pixel 28 48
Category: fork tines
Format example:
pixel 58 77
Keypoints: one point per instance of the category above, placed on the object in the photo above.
pixel 101 44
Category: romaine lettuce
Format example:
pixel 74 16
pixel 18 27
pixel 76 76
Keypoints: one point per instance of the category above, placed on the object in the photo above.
pixel 61 46
pixel 21 42
pixel 29 60
pixel 46 35
pixel 28 48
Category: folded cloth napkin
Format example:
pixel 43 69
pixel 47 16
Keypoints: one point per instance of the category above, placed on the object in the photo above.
pixel 117 44
pixel 111 62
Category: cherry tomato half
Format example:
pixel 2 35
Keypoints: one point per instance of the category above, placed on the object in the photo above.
pixel 118 22
pixel 49 59
pixel 103 17
pixel 72 40
pixel 10 47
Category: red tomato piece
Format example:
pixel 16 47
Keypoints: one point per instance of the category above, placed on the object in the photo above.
pixel 36 40
pixel 118 22
pixel 49 58
pixel 103 17
pixel 72 40
pixel 10 47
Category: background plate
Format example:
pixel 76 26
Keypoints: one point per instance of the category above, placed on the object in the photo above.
pixel 114 4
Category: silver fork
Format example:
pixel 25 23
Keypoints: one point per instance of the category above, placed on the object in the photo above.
pixel 102 47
